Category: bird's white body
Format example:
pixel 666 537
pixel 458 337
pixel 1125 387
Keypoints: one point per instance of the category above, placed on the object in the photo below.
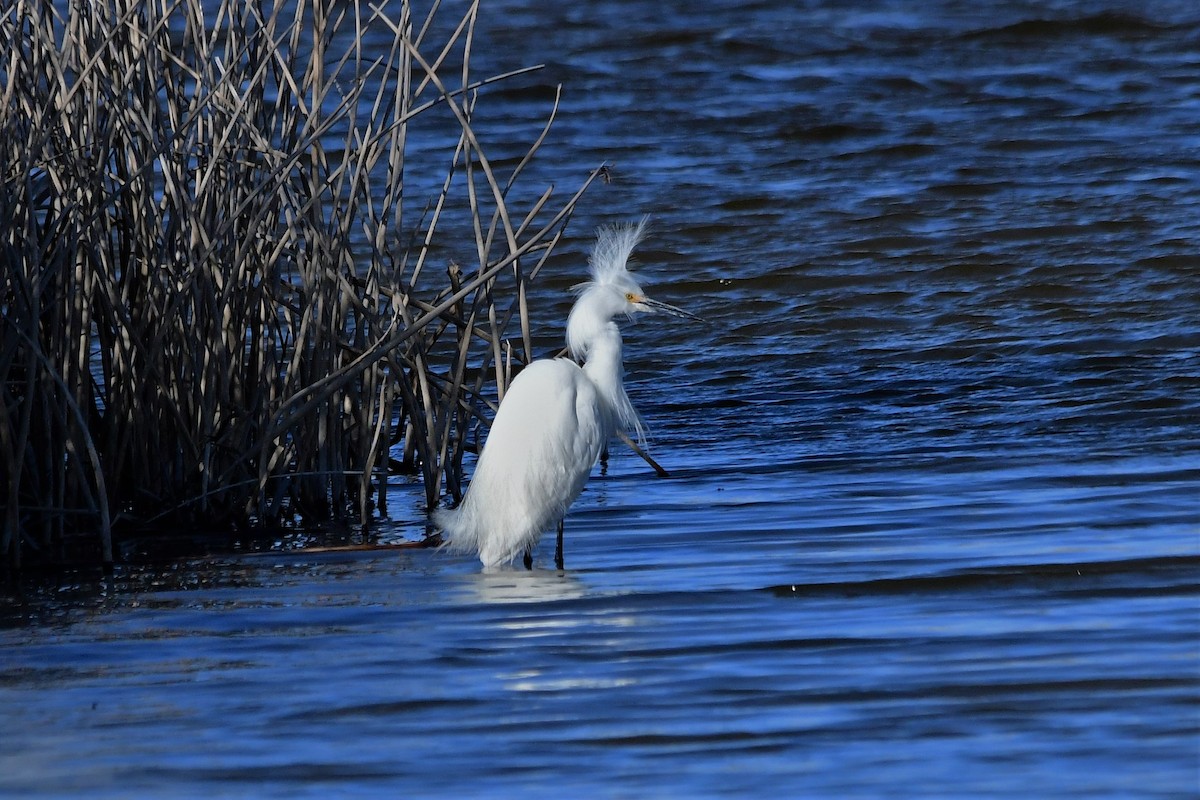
pixel 555 419
pixel 545 439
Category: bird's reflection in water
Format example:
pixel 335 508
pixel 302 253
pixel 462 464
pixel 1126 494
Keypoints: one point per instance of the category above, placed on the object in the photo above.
pixel 509 585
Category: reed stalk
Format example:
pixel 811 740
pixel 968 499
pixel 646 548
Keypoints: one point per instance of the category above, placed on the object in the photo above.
pixel 219 306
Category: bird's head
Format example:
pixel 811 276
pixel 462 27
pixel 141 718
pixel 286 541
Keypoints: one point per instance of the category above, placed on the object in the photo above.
pixel 613 290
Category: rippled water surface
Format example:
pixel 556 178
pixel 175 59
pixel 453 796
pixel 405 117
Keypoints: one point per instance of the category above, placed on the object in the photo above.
pixel 933 526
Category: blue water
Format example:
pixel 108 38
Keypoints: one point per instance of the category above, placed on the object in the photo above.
pixel 932 527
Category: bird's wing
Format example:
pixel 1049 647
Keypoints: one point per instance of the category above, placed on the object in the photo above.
pixel 544 441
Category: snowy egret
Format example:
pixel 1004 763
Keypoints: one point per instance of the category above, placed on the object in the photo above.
pixel 555 418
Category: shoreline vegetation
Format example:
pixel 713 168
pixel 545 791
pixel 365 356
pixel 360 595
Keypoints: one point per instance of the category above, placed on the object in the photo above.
pixel 220 311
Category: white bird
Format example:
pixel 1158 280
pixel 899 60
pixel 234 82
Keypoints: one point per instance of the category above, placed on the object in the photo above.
pixel 555 419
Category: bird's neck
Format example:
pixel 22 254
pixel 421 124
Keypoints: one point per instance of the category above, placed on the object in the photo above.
pixel 603 367
pixel 587 323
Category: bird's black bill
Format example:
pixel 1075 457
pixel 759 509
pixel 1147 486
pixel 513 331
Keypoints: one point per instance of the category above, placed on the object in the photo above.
pixel 672 310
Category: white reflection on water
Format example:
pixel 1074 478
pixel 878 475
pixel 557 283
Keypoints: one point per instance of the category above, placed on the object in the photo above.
pixel 510 585
pixel 535 681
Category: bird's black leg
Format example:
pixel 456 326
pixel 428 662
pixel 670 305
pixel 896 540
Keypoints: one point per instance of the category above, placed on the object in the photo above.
pixel 528 559
pixel 558 554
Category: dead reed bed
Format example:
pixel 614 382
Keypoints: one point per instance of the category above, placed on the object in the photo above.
pixel 219 311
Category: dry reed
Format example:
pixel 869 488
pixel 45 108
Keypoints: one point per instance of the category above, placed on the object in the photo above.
pixel 218 312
